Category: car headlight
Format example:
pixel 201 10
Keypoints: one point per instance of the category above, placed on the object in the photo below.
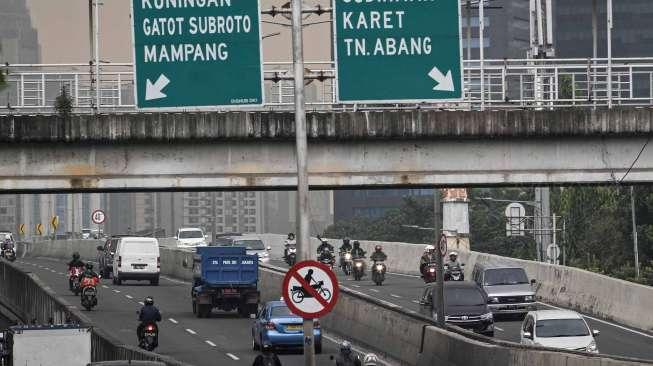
pixel 494 300
pixel 529 298
pixel 432 270
pixel 592 347
pixel 487 316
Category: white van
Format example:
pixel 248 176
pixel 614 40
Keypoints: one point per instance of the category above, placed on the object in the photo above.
pixel 138 259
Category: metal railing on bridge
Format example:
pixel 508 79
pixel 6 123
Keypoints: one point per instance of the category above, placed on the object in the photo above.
pixel 491 84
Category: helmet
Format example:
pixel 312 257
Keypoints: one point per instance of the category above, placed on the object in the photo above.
pixel 345 347
pixel 89 266
pixel 378 248
pixel 357 243
pixel 370 360
pixel 148 301
pixel 453 254
pixel 429 248
pixel 291 235
pixel 76 256
pixel 345 241
pixel 266 347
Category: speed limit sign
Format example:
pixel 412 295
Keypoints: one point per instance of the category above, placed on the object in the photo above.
pixel 98 217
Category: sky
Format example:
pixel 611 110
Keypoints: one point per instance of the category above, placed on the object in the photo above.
pixel 62 27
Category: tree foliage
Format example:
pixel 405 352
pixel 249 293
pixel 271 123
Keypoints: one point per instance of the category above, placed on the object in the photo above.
pixel 63 104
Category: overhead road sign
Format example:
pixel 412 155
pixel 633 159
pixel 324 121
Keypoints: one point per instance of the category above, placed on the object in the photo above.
pixel 98 217
pixel 398 51
pixel 197 53
pixel 310 289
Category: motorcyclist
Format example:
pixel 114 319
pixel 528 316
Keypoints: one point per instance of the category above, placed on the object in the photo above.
pixel 267 357
pixel 89 272
pixel 346 246
pixel 378 255
pixel 453 260
pixel 427 257
pixel 324 245
pixel 75 263
pixel 148 314
pixel 346 357
pixel 357 251
pixel 290 242
pixel 370 360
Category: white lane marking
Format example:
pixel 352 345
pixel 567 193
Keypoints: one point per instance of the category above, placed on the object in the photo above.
pixel 210 343
pixel 116 291
pixel 499 329
pixel 173 321
pixel 395 296
pixel 404 275
pixel 129 296
pixel 357 286
pixel 191 331
pixel 603 321
pixel 105 286
pixel 140 302
pixel 374 290
pixel 233 357
pixel 415 301
pixel 174 280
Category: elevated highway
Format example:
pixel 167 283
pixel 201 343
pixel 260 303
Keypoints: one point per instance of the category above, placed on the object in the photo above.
pixel 255 150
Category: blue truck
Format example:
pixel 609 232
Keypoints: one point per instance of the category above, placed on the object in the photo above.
pixel 225 278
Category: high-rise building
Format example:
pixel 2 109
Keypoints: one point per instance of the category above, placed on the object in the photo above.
pixel 632 33
pixel 18 39
pixel 280 211
pixel 349 204
pixel 8 210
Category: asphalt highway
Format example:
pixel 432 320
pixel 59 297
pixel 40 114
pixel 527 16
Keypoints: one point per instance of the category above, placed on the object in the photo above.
pixel 405 291
pixel 223 339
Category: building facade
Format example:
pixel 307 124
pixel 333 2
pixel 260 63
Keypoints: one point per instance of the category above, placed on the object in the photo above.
pixel 349 204
pixel 18 39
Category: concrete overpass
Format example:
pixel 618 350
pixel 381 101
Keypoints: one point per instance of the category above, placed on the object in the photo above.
pixel 247 150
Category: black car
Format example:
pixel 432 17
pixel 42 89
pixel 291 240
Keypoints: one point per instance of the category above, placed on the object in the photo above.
pixel 465 306
pixel 105 255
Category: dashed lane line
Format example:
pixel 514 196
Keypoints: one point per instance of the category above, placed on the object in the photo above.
pixel 116 291
pixel 357 286
pixel 210 343
pixel 105 286
pixel 129 297
pixel 374 290
pixel 499 329
pixel 140 302
pixel 173 321
pixel 191 331
pixel 233 357
pixel 395 296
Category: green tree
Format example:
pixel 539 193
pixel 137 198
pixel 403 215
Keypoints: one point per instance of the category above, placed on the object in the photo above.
pixel 63 104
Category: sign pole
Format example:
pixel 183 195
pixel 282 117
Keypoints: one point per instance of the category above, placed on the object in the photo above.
pixel 302 158
pixel 439 272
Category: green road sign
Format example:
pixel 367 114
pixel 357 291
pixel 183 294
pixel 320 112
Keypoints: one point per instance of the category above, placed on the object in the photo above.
pixel 398 51
pixel 197 53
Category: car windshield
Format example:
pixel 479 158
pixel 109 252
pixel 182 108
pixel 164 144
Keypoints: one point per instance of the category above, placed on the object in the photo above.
pixel 253 244
pixel 191 234
pixel 463 297
pixel 505 276
pixel 281 312
pixel 561 328
pixel 86 231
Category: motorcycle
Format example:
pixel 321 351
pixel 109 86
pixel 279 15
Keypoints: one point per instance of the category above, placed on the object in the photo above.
pixel 9 253
pixel 73 279
pixel 89 292
pixel 326 257
pixel 359 268
pixel 149 337
pixel 428 273
pixel 378 272
pixel 453 273
pixel 291 256
pixel 346 262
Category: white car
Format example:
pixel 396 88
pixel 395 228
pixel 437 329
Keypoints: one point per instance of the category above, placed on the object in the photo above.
pixel 562 329
pixel 253 243
pixel 190 237
pixel 137 258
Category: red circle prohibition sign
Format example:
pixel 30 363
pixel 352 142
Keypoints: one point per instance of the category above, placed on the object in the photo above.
pixel 308 290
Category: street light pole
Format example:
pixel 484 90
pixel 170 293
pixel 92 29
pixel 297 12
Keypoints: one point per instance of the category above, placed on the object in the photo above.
pixel 303 238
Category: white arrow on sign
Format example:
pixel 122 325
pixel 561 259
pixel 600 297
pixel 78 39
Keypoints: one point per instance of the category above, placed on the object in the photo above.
pixel 154 91
pixel 445 83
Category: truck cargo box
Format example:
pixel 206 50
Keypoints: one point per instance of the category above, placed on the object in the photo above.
pixel 225 266
pixel 50 345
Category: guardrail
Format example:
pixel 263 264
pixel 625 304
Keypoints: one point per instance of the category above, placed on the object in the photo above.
pixel 490 84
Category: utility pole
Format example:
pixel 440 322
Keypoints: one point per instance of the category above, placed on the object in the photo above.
pixel 303 214
pixel 439 275
pixel 468 15
pixel 595 46
pixel 634 219
pixel 214 224
pixel 97 55
pixel 609 35
pixel 481 50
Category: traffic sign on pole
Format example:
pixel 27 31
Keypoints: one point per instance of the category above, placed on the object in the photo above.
pixel 310 289
pixel 55 222
pixel 98 217
pixel 398 51
pixel 197 53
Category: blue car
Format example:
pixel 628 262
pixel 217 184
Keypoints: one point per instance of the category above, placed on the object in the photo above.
pixel 276 325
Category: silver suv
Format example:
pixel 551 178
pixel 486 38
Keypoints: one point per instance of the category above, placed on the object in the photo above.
pixel 508 289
